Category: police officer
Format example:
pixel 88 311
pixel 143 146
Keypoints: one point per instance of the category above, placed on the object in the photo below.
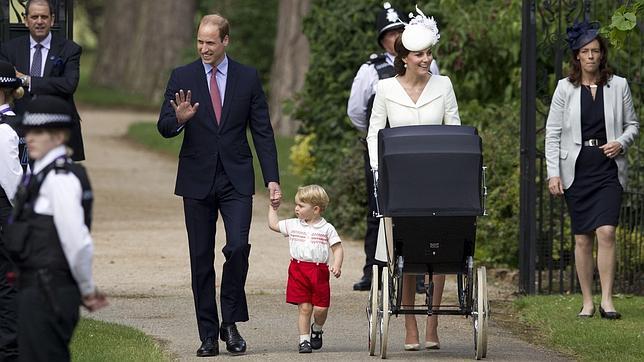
pixel 48 236
pixel 10 174
pixel 363 90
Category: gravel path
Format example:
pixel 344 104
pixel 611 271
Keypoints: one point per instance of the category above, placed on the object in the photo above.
pixel 141 262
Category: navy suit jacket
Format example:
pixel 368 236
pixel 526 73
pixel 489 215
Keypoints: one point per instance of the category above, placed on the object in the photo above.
pixel 60 78
pixel 204 142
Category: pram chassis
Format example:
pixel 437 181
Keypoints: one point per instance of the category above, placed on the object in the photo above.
pixel 385 296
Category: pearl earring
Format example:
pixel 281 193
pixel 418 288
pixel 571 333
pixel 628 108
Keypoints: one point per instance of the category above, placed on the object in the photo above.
pixel 405 65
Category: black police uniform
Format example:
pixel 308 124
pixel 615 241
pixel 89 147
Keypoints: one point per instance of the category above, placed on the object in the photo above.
pixel 8 307
pixel 48 295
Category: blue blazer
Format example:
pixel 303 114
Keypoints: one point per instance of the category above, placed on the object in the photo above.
pixel 205 141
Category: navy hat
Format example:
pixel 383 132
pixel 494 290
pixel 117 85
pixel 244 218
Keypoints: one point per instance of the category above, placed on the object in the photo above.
pixel 581 34
pixel 389 19
pixel 47 112
pixel 8 77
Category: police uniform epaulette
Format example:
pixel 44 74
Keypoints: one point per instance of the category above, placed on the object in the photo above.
pixel 377 58
pixel 61 165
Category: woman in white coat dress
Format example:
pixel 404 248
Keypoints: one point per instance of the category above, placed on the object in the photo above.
pixel 414 97
pixel 590 126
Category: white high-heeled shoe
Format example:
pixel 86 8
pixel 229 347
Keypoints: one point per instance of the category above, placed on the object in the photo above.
pixel 432 345
pixel 412 347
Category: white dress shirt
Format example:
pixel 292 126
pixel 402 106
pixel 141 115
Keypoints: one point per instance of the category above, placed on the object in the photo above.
pixel 436 105
pixel 364 86
pixel 61 196
pixel 10 169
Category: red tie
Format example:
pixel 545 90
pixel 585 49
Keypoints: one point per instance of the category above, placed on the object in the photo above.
pixel 214 95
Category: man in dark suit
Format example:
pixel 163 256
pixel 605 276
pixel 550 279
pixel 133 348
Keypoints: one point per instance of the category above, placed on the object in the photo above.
pixel 214 101
pixel 47 64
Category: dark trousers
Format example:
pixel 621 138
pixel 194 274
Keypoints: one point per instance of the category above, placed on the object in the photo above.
pixel 8 311
pixel 43 334
pixel 371 236
pixel 8 306
pixel 201 218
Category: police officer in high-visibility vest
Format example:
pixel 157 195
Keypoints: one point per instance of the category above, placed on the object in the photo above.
pixel 48 236
pixel 379 66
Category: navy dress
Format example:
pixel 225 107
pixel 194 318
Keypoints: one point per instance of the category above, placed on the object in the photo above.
pixel 595 196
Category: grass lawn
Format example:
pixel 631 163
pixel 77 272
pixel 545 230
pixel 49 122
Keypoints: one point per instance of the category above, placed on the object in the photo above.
pixel 553 320
pixel 146 133
pixel 100 341
pixel 101 97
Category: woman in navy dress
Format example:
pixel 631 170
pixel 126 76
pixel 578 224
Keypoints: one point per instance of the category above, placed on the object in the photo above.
pixel 589 128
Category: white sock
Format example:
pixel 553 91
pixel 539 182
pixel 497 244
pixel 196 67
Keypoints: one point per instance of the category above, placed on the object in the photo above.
pixel 316 328
pixel 305 337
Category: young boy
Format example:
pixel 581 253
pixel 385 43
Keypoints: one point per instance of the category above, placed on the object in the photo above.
pixel 310 238
pixel 48 237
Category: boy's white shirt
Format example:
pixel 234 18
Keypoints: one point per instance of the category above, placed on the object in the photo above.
pixel 309 242
pixel 61 196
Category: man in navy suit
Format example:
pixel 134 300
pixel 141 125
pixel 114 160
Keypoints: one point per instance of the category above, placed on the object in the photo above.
pixel 47 64
pixel 214 101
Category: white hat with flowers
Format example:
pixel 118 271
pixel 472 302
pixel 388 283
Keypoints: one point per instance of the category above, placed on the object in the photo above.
pixel 421 32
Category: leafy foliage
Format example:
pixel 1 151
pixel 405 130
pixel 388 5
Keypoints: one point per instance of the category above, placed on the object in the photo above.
pixel 622 23
pixel 253 25
pixel 478 50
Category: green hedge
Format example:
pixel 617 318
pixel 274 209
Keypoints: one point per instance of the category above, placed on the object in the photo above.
pixel 478 50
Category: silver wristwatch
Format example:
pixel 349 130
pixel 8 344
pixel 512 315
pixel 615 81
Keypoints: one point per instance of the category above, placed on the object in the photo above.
pixel 25 80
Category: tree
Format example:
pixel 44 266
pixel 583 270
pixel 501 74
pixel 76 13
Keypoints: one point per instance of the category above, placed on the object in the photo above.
pixel 252 31
pixel 94 12
pixel 290 62
pixel 141 41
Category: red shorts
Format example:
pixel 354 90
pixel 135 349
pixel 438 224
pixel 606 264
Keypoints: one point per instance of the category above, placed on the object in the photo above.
pixel 308 283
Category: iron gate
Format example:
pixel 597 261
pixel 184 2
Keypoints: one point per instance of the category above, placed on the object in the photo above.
pixel 12 15
pixel 546 243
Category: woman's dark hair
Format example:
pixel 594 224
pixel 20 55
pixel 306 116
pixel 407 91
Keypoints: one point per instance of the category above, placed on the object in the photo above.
pixel 401 52
pixel 605 73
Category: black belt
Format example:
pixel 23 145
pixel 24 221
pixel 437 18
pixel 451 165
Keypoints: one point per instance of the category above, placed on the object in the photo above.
pixel 56 278
pixel 594 142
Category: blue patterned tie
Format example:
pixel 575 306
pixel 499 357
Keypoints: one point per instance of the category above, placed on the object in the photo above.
pixel 36 64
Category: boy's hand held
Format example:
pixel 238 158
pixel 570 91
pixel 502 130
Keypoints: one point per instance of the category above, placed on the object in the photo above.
pixel 335 271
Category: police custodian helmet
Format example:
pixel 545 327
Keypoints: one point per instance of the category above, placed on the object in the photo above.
pixel 47 112
pixel 389 19
pixel 8 77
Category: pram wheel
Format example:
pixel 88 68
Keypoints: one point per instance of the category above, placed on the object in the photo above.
pixel 480 314
pixel 486 314
pixel 372 311
pixel 384 318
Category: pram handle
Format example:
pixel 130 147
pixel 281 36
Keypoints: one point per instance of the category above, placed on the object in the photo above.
pixel 484 190
pixel 376 213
